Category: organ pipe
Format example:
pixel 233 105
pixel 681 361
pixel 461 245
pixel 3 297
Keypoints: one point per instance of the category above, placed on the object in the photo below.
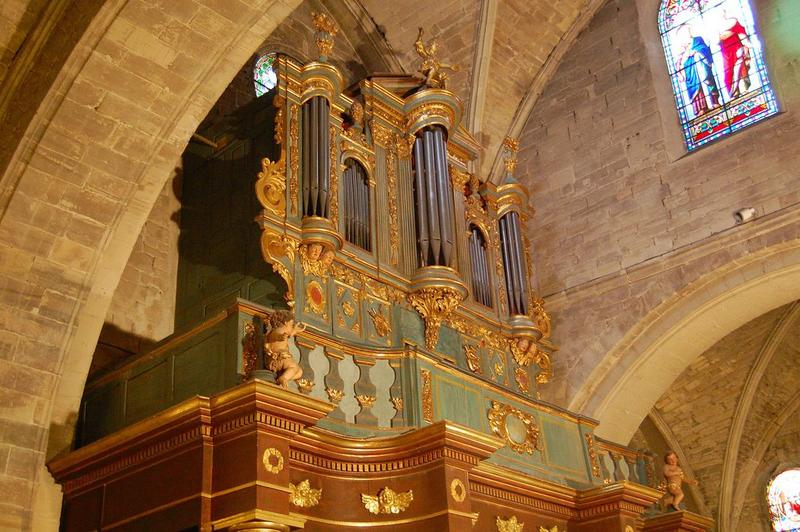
pixel 316 162
pixel 513 263
pixel 356 204
pixel 480 267
pixel 433 197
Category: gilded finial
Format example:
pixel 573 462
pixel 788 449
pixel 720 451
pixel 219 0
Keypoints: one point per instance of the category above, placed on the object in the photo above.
pixel 326 31
pixel 510 148
pixel 431 67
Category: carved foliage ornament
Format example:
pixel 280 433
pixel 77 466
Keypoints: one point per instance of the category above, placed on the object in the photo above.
pixel 457 490
pixel 303 495
pixel 274 248
pixel 510 149
pixel 273 461
pixel 427 396
pixel 387 501
pixel 271 186
pixel 294 156
pixel 434 304
pixel 509 525
pixel 592 455
pixel 516 427
pixel 326 31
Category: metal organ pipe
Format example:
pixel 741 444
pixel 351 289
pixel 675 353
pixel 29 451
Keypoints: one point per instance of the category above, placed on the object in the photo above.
pixel 433 198
pixel 514 263
pixel 316 162
pixel 356 204
pixel 480 267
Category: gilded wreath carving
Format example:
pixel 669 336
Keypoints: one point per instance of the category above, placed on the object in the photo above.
pixel 525 440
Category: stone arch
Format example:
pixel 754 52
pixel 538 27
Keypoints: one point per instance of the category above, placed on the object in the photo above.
pixel 105 140
pixel 653 353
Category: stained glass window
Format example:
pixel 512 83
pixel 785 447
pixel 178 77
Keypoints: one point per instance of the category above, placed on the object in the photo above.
pixel 716 65
pixel 783 495
pixel 264 75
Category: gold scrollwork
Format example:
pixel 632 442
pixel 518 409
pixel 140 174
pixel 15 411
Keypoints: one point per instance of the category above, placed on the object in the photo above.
pixel 459 178
pixel 387 501
pixel 457 490
pixel 509 525
pixel 524 436
pixel 294 157
pixel 365 401
pixel 273 461
pixel 271 186
pixel 473 360
pixel 434 304
pixel 381 135
pixel 303 495
pixel 540 317
pixel 439 110
pixel 487 337
pixel 334 395
pixel 592 455
pixel 427 396
pixel 274 246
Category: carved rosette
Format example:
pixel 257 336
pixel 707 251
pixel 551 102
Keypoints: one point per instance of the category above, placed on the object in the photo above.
pixel 434 304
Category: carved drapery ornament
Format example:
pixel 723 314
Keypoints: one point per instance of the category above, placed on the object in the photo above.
pixel 509 525
pixel 434 304
pixel 303 495
pixel 387 501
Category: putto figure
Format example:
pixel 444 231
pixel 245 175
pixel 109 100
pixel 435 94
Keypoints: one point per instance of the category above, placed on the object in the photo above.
pixel 673 477
pixel 276 347
pixel 431 67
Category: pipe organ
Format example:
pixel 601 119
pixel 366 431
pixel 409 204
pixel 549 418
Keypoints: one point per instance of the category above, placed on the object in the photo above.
pixel 415 372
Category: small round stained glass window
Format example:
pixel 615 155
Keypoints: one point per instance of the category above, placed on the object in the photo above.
pixel 783 495
pixel 264 76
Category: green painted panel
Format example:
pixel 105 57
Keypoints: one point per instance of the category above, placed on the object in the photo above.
pixel 449 342
pixel 563 445
pixel 103 411
pixel 456 402
pixel 200 367
pixel 411 326
pixel 148 391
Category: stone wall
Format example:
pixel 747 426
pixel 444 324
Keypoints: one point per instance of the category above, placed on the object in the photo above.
pixel 611 198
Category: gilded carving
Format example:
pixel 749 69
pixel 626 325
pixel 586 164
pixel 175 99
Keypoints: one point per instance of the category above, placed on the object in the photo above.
pixel 543 361
pixel 592 455
pixel 397 402
pixel 275 246
pixel 315 259
pixel 427 396
pixel 279 103
pixel 273 461
pixel 457 490
pixel 249 350
pixel 498 370
pixel 315 299
pixel 429 110
pixel 294 157
pixel 348 309
pixel 380 322
pixel 509 525
pixel 434 304
pixel 326 31
pixel 510 149
pixel 334 395
pixel 524 350
pixel 391 190
pixel 334 180
pixel 540 317
pixel 459 178
pixel 365 401
pixel 305 385
pixel 470 328
pixel 271 186
pixel 524 436
pixel 387 501
pixel 555 529
pixel 431 68
pixel 303 495
pixel 523 380
pixel 499 274
pixel 473 360
pixel 381 135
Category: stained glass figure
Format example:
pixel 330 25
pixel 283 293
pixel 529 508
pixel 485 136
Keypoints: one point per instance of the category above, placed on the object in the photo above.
pixel 783 496
pixel 716 65
pixel 264 75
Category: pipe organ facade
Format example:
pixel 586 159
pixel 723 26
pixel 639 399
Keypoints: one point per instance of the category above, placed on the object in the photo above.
pixel 395 380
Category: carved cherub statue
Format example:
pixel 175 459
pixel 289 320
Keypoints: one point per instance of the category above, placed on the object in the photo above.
pixel 431 67
pixel 276 347
pixel 673 478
